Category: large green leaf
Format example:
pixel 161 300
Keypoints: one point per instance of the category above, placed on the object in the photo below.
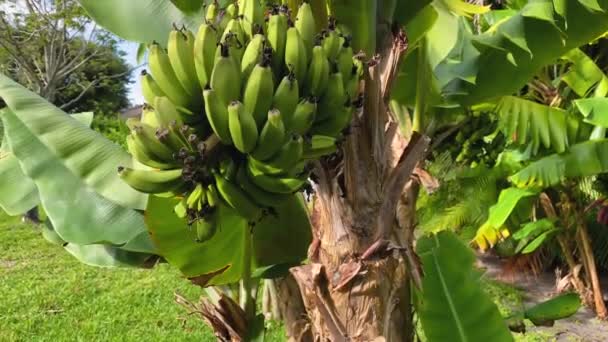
pixel 595 110
pixel 143 21
pixel 275 240
pixel 513 50
pixel 19 193
pixel 507 202
pixel 526 122
pixel 454 307
pixel 85 153
pixel 583 75
pixel 581 160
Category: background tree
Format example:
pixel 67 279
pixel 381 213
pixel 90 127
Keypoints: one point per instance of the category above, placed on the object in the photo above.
pixel 55 50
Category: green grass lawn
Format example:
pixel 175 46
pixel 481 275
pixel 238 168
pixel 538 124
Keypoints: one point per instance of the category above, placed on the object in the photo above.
pixel 46 295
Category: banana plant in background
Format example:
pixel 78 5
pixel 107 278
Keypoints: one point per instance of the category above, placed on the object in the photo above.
pixel 243 113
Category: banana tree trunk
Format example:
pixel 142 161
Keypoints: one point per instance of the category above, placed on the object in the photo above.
pixel 356 286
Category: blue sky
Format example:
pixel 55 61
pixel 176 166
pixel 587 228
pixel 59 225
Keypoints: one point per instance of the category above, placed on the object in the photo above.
pixel 134 88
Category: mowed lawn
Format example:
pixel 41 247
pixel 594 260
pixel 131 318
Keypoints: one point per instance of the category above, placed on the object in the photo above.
pixel 46 295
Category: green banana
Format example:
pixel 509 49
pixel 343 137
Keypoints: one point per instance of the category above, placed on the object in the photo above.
pixel 145 135
pixel 206 226
pixel 180 209
pixel 237 199
pixel 345 60
pixel 335 123
pixel 213 198
pixel 303 116
pixel 217 115
pixel 234 38
pixel 151 181
pixel 243 129
pixel 149 87
pixel 332 43
pixel 166 112
pixel 211 12
pixel 148 116
pixel 180 50
pixel 318 73
pixel 195 196
pixel 305 24
pixel 289 154
pixel 232 10
pixel 163 73
pixel 333 99
pixel 228 168
pixel 279 185
pixel 205 46
pixel 144 156
pixel 262 197
pixel 252 12
pixel 226 77
pixel 286 97
pixel 318 146
pixel 277 36
pixel 271 137
pixel 352 86
pixel 252 55
pixel 259 90
pixel 296 58
pixel 267 169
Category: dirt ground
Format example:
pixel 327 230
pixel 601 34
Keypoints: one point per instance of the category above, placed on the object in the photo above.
pixel 583 326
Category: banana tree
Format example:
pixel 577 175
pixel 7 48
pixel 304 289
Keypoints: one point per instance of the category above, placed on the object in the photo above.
pixel 362 268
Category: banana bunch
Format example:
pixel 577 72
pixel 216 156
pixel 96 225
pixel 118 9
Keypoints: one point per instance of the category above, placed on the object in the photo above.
pixel 236 112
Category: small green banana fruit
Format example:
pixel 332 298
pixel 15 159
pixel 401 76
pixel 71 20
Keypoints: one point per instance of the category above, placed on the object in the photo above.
pixel 252 12
pixel 334 98
pixel 143 155
pixel 332 43
pixel 318 146
pixel 345 61
pixel 228 168
pixel 234 38
pixel 148 116
pixel 163 73
pixel 226 77
pixel 181 209
pixel 336 122
pixel 243 129
pixel 318 73
pixel 262 197
pixel 151 181
pixel 252 55
pixel 217 115
pixel 303 116
pixel 278 185
pixel 305 24
pixel 205 46
pixel 206 226
pixel 180 49
pixel 259 91
pixel 145 136
pixel 286 97
pixel 166 112
pixel 289 155
pixel 271 137
pixel 213 198
pixel 212 11
pixel 195 197
pixel 277 36
pixel 149 87
pixel 296 58
pixel 237 199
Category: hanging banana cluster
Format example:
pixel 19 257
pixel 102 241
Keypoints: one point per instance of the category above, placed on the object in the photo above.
pixel 236 112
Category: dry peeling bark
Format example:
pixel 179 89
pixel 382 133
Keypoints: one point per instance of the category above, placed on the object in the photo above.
pixel 356 284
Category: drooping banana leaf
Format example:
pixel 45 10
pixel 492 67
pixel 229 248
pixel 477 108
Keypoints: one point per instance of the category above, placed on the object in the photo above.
pixel 74 169
pixel 513 50
pixel 595 110
pixel 454 307
pixel 580 160
pixel 276 240
pixel 584 75
pixel 19 193
pixel 533 234
pixel 525 122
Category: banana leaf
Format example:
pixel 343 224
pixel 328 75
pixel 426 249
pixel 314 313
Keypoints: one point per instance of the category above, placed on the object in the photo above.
pixel 454 307
pixel 276 240
pixel 74 169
